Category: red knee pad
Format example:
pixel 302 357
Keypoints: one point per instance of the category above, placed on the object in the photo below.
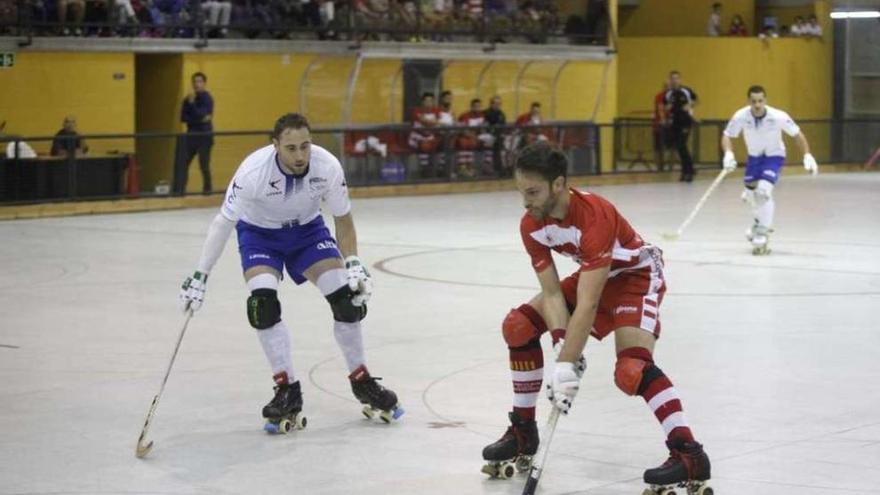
pixel 628 374
pixel 518 328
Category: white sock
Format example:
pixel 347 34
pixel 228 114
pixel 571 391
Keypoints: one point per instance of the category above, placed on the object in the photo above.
pixel 764 213
pixel 348 335
pixel 350 340
pixel 276 339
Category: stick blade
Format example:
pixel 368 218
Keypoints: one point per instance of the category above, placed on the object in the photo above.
pixel 141 451
pixel 531 485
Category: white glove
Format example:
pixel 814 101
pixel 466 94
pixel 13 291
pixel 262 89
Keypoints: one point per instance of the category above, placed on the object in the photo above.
pixel 359 280
pixel 810 164
pixel 729 161
pixel 580 366
pixel 563 386
pixel 192 294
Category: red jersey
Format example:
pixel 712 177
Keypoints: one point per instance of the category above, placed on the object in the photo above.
pixel 472 119
pixel 659 107
pixel 593 233
pixel 526 119
pixel 422 115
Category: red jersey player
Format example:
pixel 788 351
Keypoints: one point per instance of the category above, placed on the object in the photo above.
pixel 617 288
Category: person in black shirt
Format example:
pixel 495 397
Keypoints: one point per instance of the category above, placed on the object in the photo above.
pixel 67 140
pixel 680 101
pixel 495 118
pixel 197 112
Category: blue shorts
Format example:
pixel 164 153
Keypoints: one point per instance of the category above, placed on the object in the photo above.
pixel 763 168
pixel 297 247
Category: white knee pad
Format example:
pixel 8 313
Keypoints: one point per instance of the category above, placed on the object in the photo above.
pixel 763 193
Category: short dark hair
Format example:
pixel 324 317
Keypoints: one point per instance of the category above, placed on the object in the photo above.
pixel 290 121
pixel 716 5
pixel 199 74
pixel 542 159
pixel 755 89
pixel 674 72
pixel 536 104
pixel 427 94
pixel 476 100
pixel 447 92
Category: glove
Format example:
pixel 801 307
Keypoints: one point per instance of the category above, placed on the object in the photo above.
pixel 359 280
pixel 192 293
pixel 563 386
pixel 580 366
pixel 729 161
pixel 810 164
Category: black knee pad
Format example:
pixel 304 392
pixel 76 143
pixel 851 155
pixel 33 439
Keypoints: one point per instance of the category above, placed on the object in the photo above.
pixel 263 308
pixel 343 309
pixel 650 374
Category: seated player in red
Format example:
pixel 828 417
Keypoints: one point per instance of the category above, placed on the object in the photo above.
pixel 617 288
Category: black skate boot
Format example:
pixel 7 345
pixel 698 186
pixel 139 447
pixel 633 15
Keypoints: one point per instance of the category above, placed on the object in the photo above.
pixel 688 467
pixel 514 450
pixel 283 412
pixel 376 398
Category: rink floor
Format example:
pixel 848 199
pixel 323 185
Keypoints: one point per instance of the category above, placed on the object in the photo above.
pixel 776 358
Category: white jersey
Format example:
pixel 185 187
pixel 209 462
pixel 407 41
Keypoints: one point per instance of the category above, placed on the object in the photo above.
pixel 262 195
pixel 763 135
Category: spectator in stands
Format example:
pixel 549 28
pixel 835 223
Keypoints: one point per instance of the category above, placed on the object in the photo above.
pixel 370 14
pixel 496 120
pixel 799 27
pixel 738 27
pixel 75 9
pixel 714 27
pixel 475 138
pixel 8 15
pixel 680 101
pixel 98 12
pixel 125 13
pixel 421 139
pixel 531 118
pixel 217 14
pixel 68 141
pixel 660 127
pixel 197 112
pixel 813 29
pixel 445 115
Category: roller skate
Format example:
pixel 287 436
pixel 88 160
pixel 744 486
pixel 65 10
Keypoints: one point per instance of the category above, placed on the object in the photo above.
pixel 284 412
pixel 377 400
pixel 513 451
pixel 688 467
pixel 760 239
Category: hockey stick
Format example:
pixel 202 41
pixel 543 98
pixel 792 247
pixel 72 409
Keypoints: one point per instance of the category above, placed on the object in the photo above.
pixel 675 235
pixel 541 456
pixel 142 450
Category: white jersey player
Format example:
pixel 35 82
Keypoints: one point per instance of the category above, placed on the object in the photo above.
pixel 762 127
pixel 274 203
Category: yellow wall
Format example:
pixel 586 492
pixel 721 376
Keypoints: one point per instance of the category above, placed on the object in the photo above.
pixel 795 72
pixel 97 88
pixel 681 17
pixel 157 93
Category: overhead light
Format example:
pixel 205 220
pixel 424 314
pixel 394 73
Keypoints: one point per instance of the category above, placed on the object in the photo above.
pixel 856 14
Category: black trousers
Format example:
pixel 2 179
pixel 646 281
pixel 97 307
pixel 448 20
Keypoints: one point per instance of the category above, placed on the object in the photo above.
pixel 680 134
pixel 187 148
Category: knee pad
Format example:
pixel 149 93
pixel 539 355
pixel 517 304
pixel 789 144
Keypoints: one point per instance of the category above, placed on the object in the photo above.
pixel 518 328
pixel 343 309
pixel 263 308
pixel 628 374
pixel 763 192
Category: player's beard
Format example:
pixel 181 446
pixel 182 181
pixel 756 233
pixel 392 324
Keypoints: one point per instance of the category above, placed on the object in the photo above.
pixel 544 210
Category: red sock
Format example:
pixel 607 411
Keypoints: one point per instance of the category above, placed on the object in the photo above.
pixel 527 371
pixel 657 390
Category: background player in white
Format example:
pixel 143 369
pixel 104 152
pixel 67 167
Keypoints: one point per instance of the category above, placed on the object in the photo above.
pixel 762 126
pixel 274 203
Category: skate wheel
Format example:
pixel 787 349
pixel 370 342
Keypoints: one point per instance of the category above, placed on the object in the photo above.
pixel 300 421
pixel 368 412
pixel 284 426
pixel 506 470
pixel 490 469
pixel 523 463
pixel 703 490
pixel 385 416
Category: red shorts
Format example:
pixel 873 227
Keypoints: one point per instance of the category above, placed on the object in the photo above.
pixel 629 299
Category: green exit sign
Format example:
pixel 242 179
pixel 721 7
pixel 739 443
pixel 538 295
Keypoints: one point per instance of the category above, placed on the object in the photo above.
pixel 7 59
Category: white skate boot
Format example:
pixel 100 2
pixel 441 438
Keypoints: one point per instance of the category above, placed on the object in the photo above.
pixel 760 238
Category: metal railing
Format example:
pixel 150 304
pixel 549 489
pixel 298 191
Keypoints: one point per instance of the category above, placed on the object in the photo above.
pixel 342 19
pixel 144 164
